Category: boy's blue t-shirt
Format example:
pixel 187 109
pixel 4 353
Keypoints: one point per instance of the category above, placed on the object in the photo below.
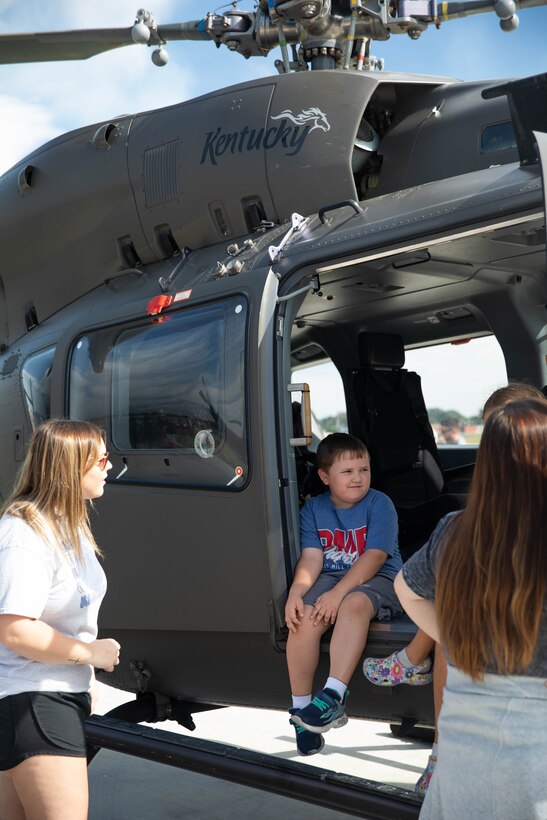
pixel 344 534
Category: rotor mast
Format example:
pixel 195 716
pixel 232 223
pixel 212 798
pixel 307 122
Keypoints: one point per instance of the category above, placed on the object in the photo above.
pixel 332 33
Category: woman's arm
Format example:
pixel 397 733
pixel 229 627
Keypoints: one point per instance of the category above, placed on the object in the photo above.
pixel 420 610
pixel 37 641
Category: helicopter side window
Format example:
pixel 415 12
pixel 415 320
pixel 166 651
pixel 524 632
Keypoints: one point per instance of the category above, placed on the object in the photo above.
pixel 171 393
pixel 149 410
pixel 36 385
pixel 498 137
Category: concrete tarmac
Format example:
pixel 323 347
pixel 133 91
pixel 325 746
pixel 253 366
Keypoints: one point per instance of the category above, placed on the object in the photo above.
pixel 129 788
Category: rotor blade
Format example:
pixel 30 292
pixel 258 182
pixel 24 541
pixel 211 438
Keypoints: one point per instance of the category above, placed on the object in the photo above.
pixel 80 44
pixel 61 45
pixel 463 8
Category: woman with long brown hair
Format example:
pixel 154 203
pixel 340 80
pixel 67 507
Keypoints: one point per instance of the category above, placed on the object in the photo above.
pixel 478 586
pixel 51 587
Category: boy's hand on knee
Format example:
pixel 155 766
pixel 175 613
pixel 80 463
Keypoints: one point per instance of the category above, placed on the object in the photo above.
pixel 326 607
pixel 294 612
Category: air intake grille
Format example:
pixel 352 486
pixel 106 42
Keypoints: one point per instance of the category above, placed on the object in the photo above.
pixel 161 174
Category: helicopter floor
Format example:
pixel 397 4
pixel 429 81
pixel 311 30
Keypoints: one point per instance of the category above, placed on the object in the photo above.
pixel 122 786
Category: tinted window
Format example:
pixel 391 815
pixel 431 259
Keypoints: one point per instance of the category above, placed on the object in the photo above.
pixel 36 384
pixel 170 393
pixel 499 137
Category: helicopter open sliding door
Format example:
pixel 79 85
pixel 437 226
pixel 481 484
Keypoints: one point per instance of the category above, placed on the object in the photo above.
pixel 541 141
pixel 190 521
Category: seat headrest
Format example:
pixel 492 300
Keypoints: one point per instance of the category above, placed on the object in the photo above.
pixel 381 350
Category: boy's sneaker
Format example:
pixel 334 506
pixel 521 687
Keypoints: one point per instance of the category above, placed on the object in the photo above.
pixel 423 783
pixel 307 743
pixel 326 711
pixel 390 672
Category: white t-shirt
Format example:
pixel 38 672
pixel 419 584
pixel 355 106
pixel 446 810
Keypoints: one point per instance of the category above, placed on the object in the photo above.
pixel 38 580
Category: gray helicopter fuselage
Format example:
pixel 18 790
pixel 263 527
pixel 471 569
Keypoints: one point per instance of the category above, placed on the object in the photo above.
pixel 149 283
pixel 138 189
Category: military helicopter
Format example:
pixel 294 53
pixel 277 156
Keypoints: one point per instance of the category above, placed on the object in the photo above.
pixel 165 275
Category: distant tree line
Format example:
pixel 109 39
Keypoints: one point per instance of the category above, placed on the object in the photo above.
pixel 436 414
pixel 335 424
pixel 339 422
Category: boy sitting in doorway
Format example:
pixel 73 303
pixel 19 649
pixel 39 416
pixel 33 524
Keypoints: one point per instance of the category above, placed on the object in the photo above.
pixel 344 578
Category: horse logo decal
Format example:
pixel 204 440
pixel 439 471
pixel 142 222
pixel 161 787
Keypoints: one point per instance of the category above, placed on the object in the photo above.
pixel 291 133
pixel 306 117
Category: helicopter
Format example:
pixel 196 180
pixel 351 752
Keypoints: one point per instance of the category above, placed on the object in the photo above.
pixel 166 274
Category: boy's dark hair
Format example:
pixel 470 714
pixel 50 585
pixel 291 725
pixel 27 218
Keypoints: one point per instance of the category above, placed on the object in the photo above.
pixel 336 445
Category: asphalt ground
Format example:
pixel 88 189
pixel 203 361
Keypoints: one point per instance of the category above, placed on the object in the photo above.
pixel 123 787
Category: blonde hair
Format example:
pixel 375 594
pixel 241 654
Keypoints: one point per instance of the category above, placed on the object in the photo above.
pixel 48 493
pixel 492 574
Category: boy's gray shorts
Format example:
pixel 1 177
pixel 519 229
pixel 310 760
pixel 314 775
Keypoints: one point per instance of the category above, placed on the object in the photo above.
pixel 379 590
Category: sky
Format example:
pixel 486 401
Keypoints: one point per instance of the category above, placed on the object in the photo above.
pixel 40 101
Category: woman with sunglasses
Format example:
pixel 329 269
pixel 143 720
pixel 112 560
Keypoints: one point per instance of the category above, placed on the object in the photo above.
pixel 479 587
pixel 51 587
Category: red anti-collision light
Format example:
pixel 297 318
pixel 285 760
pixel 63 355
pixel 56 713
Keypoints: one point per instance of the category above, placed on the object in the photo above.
pixel 158 303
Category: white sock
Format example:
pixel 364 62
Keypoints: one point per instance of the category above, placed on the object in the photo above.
pixel 435 751
pixel 337 686
pixel 300 701
pixel 404 659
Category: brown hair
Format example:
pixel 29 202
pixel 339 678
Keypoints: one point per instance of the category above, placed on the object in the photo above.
pixel 492 574
pixel 48 490
pixel 337 445
pixel 514 391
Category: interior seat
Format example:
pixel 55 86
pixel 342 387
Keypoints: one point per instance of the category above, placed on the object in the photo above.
pixel 390 416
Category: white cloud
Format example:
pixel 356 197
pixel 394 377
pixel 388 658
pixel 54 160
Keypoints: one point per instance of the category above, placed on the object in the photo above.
pixel 24 127
pixel 43 100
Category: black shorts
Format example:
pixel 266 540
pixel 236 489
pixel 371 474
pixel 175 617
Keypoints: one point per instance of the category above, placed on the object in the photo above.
pixel 42 723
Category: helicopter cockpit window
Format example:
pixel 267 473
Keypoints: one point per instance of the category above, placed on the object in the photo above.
pixel 36 384
pixel 171 393
pixel 498 137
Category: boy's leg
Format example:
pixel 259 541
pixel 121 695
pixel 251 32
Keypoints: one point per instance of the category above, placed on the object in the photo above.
pixel 303 648
pixel 349 635
pixel 327 709
pixel 303 653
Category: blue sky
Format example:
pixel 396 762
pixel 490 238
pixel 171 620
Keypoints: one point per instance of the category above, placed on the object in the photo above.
pixel 40 101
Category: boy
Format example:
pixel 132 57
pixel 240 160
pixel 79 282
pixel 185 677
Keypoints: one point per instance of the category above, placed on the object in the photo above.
pixel 344 578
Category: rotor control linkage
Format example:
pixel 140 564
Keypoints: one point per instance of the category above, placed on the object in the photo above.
pixel 144 30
